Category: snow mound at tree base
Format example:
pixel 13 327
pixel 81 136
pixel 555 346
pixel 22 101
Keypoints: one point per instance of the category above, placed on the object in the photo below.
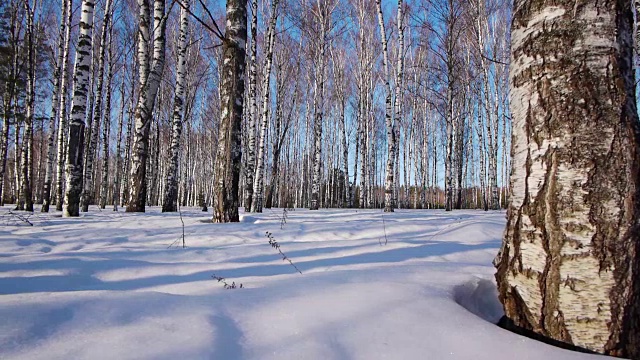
pixel 480 297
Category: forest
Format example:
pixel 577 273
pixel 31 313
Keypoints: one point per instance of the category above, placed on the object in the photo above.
pixel 338 94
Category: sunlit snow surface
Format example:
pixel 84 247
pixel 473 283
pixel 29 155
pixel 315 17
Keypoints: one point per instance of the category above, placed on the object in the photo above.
pixel 112 285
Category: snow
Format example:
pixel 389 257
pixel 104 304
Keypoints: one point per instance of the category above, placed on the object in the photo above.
pixel 112 285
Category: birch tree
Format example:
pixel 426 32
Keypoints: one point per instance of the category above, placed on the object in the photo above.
pixel 170 201
pixel 26 190
pixel 55 104
pixel 87 195
pixel 568 268
pixel 62 126
pixel 229 151
pixel 150 74
pixel 9 96
pixel 106 128
pixel 116 179
pixel 340 79
pixel 253 98
pixel 258 184
pixel 389 104
pixel 78 111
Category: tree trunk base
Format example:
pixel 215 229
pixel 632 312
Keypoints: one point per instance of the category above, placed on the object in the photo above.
pixel 509 325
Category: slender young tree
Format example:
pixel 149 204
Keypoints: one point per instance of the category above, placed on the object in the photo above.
pixel 170 202
pixel 78 111
pixel 389 105
pixel 569 266
pixel 26 183
pixel 258 184
pixel 322 14
pixel 62 126
pixel 106 128
pixel 253 109
pixel 229 152
pixel 116 179
pixel 55 103
pixel 9 95
pixel 87 195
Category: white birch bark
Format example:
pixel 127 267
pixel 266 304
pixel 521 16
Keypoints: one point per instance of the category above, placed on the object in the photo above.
pixel 55 105
pixel 229 152
pixel 94 132
pixel 253 96
pixel 26 183
pixel 150 75
pixel 78 111
pixel 568 268
pixel 63 115
pixel 322 16
pixel 258 182
pixel 389 121
pixel 106 129
pixel 116 179
pixel 170 202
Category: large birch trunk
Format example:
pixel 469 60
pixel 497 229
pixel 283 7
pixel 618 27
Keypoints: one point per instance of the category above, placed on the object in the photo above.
pixel 569 266
pixel 229 152
pixel 170 202
pixel 78 112
pixel 150 75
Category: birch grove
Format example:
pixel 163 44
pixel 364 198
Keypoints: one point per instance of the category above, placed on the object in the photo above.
pixel 326 122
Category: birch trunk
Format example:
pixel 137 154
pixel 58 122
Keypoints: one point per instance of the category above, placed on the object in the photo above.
pixel 258 182
pixel 55 104
pixel 229 152
pixel 78 112
pixel 104 186
pixel 319 112
pixel 26 190
pixel 150 82
pixel 62 127
pixel 170 202
pixel 398 100
pixel 389 121
pixel 87 196
pixel 4 140
pixel 253 98
pixel 116 179
pixel 9 102
pixel 124 192
pixel 569 266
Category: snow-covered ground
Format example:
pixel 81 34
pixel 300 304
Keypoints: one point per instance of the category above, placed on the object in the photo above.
pixel 112 285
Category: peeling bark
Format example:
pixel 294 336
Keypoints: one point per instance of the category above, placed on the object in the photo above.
pixel 78 111
pixel 569 266
pixel 229 152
